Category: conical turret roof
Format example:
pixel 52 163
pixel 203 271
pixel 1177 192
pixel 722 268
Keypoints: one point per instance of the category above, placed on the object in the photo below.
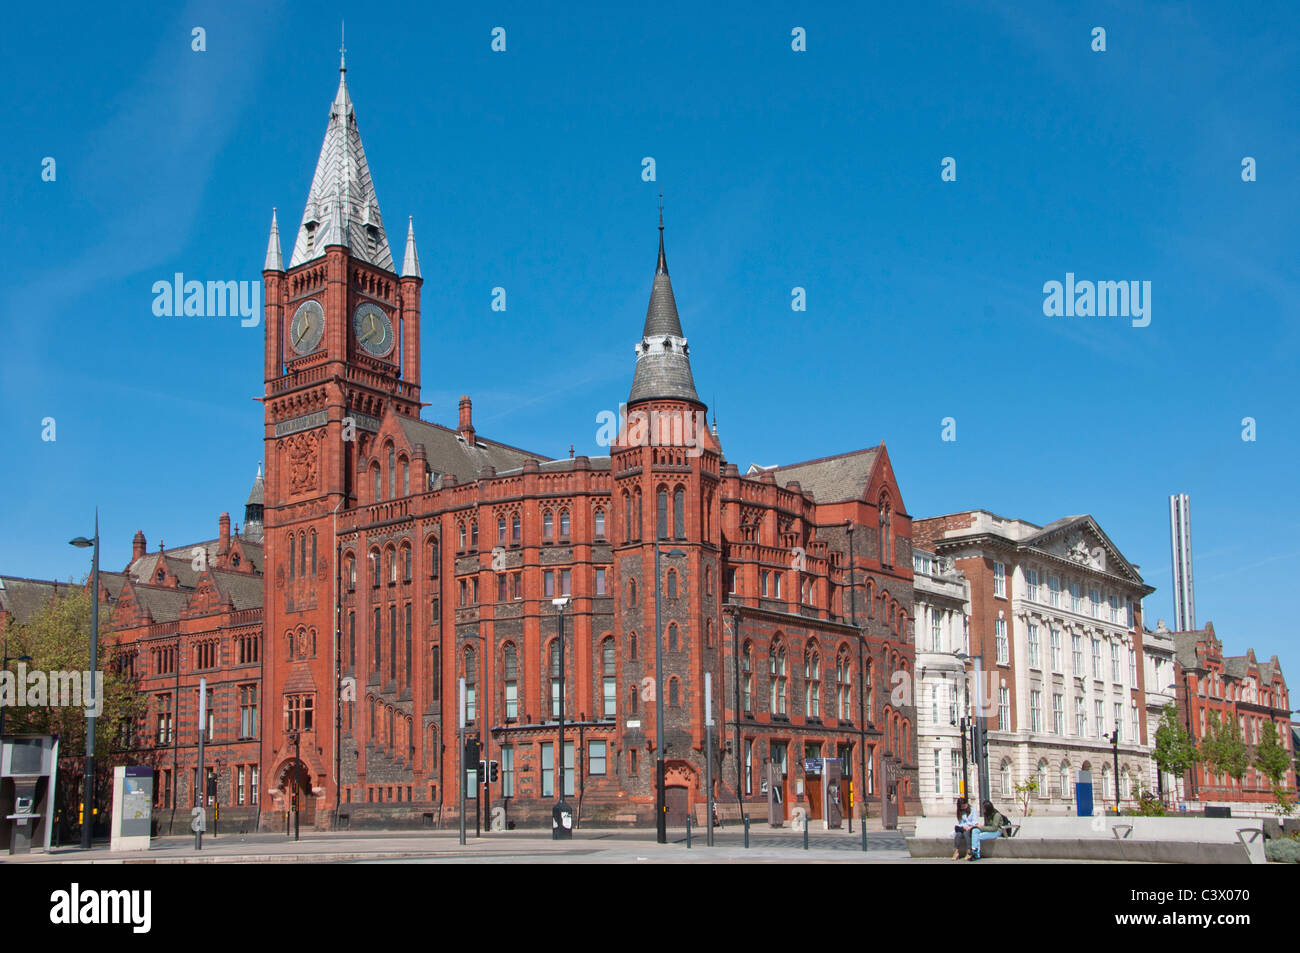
pixel 663 363
pixel 342 208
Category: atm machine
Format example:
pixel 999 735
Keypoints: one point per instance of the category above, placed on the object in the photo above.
pixel 28 765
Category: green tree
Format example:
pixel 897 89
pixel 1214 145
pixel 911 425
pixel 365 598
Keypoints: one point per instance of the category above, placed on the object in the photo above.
pixel 1024 792
pixel 1273 761
pixel 58 640
pixel 1224 748
pixel 1175 750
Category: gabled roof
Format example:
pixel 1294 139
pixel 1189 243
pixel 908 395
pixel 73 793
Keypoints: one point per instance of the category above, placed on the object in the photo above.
pixel 1116 564
pixel 24 598
pixel 834 479
pixel 448 452
pixel 162 603
pixel 179 560
pixel 342 208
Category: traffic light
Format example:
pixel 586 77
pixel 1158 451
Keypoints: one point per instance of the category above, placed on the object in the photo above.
pixel 494 773
pixel 482 772
pixel 471 750
pixel 984 745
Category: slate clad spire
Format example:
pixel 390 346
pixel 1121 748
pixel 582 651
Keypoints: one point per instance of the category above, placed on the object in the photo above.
pixel 663 363
pixel 273 260
pixel 342 208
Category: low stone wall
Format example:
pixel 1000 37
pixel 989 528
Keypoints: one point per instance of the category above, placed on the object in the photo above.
pixel 1148 852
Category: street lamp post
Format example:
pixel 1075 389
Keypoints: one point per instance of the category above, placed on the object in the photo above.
pixel 296 737
pixel 661 794
pixel 964 721
pixel 563 813
pixel 1114 748
pixel 88 787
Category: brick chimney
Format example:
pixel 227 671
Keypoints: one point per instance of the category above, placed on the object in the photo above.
pixel 466 428
pixel 223 534
pixel 138 546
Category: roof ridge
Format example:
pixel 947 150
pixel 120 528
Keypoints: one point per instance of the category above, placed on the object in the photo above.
pixel 478 438
pixel 832 456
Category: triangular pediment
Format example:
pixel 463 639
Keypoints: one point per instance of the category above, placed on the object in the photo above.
pixel 1079 540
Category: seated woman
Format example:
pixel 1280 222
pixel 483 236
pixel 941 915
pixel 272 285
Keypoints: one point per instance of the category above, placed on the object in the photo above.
pixel 966 820
pixel 994 822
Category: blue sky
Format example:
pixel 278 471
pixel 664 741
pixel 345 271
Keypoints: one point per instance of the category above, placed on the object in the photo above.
pixel 818 169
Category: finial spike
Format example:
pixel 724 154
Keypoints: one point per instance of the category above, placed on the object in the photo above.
pixel 343 65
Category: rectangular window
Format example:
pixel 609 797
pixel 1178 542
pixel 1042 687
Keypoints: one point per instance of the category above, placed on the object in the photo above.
pixel 1096 657
pixel 1031 583
pixel 1057 662
pixel 763 580
pixel 1058 714
pixel 600 582
pixel 1080 717
pixel 165 719
pixel 1134 733
pixel 1033 646
pixel 548 583
pixel 239 786
pixel 1036 711
pixel 955 761
pixel 566 579
pixel 1094 603
pixel 1054 591
pixel 1119 718
pixel 298 711
pixel 1004 709
pixel 1098 718
pixel 247 711
pixel 596 757
pixel 1114 608
pixel 1076 653
pixel 1115 674
pixel 1132 668
pixel 935 631
pixel 749 766
pixel 507 771
pixel 503 587
pixel 1076 597
pixel 938 772
pixel 999 579
pixel 1000 629
pixel 548 769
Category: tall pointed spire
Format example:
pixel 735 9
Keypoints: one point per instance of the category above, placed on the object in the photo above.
pixel 342 208
pixel 411 260
pixel 273 260
pixel 663 363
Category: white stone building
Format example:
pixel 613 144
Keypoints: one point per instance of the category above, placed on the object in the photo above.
pixel 1056 623
pixel 941 601
pixel 1161 689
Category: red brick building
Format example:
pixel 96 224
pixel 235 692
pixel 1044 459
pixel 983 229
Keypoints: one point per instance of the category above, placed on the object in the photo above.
pixel 450 548
pixel 399 556
pixel 1212 686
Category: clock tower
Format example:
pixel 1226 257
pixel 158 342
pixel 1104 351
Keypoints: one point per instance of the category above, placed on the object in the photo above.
pixel 342 347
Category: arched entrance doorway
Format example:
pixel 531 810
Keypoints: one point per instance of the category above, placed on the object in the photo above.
pixel 680 780
pixel 295 778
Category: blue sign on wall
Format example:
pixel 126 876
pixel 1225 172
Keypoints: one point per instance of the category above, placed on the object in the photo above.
pixel 1083 794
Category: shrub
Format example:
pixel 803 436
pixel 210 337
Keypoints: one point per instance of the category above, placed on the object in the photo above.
pixel 1283 850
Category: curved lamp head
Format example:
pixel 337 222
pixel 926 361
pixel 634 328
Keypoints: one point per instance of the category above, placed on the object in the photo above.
pixel 81 542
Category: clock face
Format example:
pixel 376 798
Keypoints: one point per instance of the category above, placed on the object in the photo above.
pixel 373 329
pixel 307 327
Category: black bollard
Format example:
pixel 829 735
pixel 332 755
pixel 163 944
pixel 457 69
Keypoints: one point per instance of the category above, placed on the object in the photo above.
pixel 746 832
